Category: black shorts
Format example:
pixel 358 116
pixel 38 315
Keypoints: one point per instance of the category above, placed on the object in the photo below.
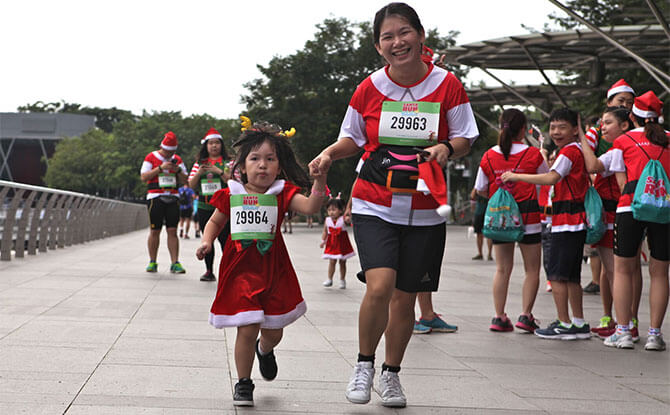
pixel 186 213
pixel 163 210
pixel 478 222
pixel 565 262
pixel 414 252
pixel 528 239
pixel 628 234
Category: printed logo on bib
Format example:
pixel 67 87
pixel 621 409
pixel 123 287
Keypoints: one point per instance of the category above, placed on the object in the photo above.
pixel 409 123
pixel 209 186
pixel 167 180
pixel 253 216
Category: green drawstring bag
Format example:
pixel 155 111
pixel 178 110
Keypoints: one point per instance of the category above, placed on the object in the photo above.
pixel 502 221
pixel 651 201
pixel 595 219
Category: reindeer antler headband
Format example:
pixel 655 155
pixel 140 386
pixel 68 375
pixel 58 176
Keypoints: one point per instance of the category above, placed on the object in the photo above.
pixel 247 125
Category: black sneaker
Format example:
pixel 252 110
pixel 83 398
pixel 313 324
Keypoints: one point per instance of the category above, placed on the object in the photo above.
pixel 267 363
pixel 501 324
pixel 208 276
pixel 244 393
pixel 555 331
pixel 583 332
pixel 592 288
pixel 528 324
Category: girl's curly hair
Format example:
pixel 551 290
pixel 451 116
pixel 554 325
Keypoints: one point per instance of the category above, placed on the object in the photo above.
pixel 261 132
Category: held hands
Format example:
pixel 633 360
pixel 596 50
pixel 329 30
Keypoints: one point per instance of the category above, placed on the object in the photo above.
pixel 437 152
pixel 320 165
pixel 203 249
pixel 508 176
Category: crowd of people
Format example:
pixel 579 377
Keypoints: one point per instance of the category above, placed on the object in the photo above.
pixel 409 118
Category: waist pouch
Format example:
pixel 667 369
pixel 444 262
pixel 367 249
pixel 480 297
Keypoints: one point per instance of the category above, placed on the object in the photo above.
pixel 168 200
pixel 394 167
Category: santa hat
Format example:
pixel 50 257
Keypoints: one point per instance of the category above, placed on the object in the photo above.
pixel 647 105
pixel 619 86
pixel 426 54
pixel 212 133
pixel 169 141
pixel 431 179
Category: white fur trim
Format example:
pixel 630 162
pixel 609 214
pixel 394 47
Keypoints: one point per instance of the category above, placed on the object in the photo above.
pixel 209 137
pixel 169 148
pixel 245 318
pixel 643 113
pixel 622 88
pixel 345 256
pixel 237 188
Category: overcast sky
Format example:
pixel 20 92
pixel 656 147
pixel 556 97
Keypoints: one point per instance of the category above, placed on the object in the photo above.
pixel 194 56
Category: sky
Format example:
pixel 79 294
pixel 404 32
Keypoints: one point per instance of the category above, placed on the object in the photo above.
pixel 194 56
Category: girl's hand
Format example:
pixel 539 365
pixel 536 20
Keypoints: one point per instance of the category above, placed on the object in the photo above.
pixel 437 152
pixel 508 176
pixel 203 249
pixel 322 244
pixel 347 216
pixel 320 165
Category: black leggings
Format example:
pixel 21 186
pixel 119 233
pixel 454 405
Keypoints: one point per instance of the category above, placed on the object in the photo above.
pixel 203 217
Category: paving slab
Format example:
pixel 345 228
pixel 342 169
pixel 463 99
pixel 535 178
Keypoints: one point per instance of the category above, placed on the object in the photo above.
pixel 84 330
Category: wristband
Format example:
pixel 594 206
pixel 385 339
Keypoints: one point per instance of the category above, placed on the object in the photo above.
pixel 321 193
pixel 449 146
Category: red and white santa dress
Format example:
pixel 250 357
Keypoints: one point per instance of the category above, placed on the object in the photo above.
pixel 337 241
pixel 253 287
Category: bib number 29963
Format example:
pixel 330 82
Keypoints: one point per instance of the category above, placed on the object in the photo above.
pixel 409 123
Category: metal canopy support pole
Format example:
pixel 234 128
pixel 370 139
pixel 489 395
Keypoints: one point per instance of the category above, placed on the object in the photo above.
pixel 642 61
pixel 493 97
pixel 659 80
pixel 659 17
pixel 515 92
pixel 44 152
pixel 539 68
pixel 485 121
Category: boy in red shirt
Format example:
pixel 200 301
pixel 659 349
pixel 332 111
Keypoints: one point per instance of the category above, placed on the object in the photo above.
pixel 568 231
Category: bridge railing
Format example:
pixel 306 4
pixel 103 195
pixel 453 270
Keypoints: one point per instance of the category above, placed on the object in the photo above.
pixel 34 218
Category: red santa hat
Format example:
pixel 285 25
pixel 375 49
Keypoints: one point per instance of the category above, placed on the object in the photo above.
pixel 619 86
pixel 212 133
pixel 647 105
pixel 431 178
pixel 169 141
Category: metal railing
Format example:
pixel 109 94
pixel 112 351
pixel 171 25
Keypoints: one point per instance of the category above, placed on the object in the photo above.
pixel 34 218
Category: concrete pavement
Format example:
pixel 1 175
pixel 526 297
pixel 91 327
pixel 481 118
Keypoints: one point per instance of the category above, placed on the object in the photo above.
pixel 84 330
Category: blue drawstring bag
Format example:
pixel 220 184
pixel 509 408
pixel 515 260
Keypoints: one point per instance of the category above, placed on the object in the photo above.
pixel 651 201
pixel 595 219
pixel 502 221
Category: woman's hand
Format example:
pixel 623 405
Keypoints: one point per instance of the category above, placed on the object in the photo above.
pixel 204 248
pixel 438 152
pixel 320 165
pixel 508 176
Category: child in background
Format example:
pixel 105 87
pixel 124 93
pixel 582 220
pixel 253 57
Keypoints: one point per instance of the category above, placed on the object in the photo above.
pixel 568 230
pixel 336 241
pixel 258 289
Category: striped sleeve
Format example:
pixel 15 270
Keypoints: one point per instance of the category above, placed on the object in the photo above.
pixel 194 170
pixel 460 118
pixel 592 137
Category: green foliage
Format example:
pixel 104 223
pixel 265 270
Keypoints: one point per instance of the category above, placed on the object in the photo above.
pixel 310 89
pixel 105 118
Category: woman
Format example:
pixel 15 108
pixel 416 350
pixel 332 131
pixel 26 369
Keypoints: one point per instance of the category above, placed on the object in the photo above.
pixel 208 175
pixel 630 154
pixel 512 155
pixel 399 235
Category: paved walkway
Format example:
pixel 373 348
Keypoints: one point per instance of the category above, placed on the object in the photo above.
pixel 84 330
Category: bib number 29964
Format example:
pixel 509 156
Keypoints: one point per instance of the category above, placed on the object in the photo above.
pixel 250 217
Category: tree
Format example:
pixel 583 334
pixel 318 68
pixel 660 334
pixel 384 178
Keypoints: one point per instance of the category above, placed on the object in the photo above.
pixel 310 89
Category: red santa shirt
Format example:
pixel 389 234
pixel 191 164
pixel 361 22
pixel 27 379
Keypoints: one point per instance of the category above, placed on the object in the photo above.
pixel 337 241
pixel 374 196
pixel 165 183
pixel 255 288
pixel 522 159
pixel 630 153
pixel 568 202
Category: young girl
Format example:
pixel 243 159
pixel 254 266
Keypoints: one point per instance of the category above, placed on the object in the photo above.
pixel 512 155
pixel 336 241
pixel 630 154
pixel 258 289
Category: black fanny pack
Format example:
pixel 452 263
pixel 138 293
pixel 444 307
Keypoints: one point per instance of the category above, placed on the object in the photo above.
pixel 394 167
pixel 168 200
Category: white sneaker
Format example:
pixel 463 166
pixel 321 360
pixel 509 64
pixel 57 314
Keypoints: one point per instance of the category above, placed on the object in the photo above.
pixel 358 389
pixel 655 342
pixel 343 284
pixel 620 341
pixel 391 391
pixel 328 283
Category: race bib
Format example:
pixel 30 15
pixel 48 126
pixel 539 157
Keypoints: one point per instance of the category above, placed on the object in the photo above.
pixel 167 180
pixel 253 216
pixel 209 186
pixel 409 123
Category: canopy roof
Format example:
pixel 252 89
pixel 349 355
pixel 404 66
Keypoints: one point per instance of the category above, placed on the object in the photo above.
pixel 571 49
